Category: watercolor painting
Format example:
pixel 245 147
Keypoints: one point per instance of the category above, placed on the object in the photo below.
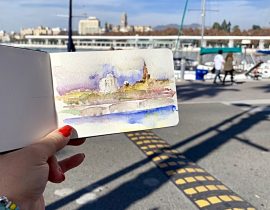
pixel 114 91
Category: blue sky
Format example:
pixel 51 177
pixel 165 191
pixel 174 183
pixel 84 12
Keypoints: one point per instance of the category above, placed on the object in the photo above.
pixel 16 14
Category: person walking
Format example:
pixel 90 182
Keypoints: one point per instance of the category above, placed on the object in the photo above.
pixel 218 63
pixel 228 67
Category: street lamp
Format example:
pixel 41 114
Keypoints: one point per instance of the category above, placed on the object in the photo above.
pixel 70 44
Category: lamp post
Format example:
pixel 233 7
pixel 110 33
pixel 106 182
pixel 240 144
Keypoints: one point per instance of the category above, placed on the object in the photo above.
pixel 70 45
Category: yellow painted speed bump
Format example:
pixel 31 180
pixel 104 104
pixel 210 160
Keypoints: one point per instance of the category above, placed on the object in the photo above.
pixel 204 190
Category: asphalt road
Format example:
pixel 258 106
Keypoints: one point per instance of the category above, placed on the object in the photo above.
pixel 223 129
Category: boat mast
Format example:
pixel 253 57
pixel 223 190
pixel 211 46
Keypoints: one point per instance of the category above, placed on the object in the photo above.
pixel 203 22
pixel 70 45
pixel 203 11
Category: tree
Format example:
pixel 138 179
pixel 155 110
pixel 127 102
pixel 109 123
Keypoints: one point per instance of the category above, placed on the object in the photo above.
pixel 224 25
pixel 236 28
pixel 228 28
pixel 216 25
pixel 256 27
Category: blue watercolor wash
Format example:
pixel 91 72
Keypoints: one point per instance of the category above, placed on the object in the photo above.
pixel 132 117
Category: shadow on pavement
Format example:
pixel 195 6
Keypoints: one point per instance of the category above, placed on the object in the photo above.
pixel 266 88
pixel 199 151
pixel 186 91
pixel 133 190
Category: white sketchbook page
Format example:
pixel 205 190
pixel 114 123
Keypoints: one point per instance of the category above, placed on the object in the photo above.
pixel 27 104
pixel 103 92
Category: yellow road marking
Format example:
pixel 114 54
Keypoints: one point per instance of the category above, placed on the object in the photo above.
pixel 211 187
pixel 163 165
pixel 202 203
pixel 170 173
pixel 172 163
pixel 201 189
pixel 180 181
pixel 236 198
pixel 222 187
pixel 190 191
pixel 225 198
pixel 190 179
pixel 214 200
pixel 181 171
pixel 190 170
pixel 150 153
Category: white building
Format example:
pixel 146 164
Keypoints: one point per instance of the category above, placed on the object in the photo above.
pixel 56 31
pixel 143 28
pixel 89 26
pixel 4 37
pixel 123 20
pixel 108 84
pixel 27 31
pixel 41 30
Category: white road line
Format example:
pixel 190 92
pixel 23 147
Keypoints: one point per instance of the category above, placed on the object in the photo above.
pixel 63 192
pixel 86 198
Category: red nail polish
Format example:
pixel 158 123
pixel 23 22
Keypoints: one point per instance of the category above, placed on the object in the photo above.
pixel 66 130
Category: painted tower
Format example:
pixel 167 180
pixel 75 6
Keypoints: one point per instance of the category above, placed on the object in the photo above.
pixel 146 76
pixel 108 84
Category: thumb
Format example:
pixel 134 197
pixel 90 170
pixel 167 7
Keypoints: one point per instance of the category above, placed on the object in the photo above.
pixel 56 140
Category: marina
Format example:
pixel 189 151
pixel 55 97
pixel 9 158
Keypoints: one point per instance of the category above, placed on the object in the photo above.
pixel 186 55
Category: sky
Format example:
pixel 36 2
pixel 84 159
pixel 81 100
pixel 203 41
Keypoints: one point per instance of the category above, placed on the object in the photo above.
pixel 17 14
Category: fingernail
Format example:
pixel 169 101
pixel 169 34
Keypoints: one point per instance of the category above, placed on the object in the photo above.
pixel 63 177
pixel 66 130
pixel 60 170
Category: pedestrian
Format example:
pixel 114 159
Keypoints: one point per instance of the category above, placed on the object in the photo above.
pixel 218 63
pixel 25 172
pixel 228 67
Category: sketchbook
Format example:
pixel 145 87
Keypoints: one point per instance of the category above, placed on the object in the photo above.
pixel 96 92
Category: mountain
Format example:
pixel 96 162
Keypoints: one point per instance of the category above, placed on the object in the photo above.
pixel 163 27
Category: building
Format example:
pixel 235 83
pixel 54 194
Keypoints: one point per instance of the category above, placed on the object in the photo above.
pixel 56 31
pixel 41 30
pixel 4 37
pixel 26 31
pixel 116 28
pixel 143 28
pixel 123 20
pixel 89 26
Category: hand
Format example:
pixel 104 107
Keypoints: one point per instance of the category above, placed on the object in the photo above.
pixel 25 172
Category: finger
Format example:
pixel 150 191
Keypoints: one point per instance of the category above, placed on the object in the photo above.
pixel 76 142
pixel 56 174
pixel 56 140
pixel 71 162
